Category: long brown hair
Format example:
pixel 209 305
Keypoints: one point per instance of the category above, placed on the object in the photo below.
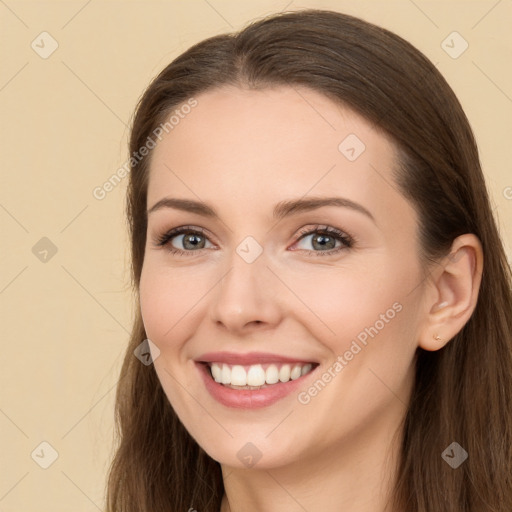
pixel 462 392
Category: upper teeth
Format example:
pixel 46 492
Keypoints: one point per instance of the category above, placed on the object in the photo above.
pixel 255 375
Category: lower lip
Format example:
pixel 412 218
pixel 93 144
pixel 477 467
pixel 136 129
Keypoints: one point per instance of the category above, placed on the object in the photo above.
pixel 249 398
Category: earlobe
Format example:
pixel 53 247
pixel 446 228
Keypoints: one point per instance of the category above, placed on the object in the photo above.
pixel 454 284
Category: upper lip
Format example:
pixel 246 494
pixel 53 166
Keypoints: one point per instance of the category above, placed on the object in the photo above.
pixel 248 358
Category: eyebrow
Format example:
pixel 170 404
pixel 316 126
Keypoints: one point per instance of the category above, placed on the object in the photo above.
pixel 281 210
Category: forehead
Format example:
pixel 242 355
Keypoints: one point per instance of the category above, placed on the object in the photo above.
pixel 260 145
pixel 278 118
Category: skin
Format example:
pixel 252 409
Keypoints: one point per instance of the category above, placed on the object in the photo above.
pixel 242 151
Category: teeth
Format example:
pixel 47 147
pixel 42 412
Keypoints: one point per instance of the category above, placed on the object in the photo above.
pixel 255 375
pixel 306 368
pixel 238 376
pixel 225 375
pixel 284 373
pixel 296 372
pixel 216 372
pixel 272 374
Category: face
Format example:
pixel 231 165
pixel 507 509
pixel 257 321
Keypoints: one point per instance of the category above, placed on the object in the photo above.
pixel 320 300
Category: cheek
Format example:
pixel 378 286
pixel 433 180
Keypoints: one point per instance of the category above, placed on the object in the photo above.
pixel 170 300
pixel 343 305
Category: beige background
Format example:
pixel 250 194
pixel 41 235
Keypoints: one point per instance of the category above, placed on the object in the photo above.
pixel 64 124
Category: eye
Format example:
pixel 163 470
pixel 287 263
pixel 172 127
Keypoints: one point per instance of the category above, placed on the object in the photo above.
pixel 325 240
pixel 328 240
pixel 191 239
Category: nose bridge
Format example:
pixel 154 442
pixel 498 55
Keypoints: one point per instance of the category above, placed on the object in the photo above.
pixel 246 292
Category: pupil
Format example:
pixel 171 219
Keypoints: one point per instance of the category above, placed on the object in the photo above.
pixel 189 239
pixel 322 240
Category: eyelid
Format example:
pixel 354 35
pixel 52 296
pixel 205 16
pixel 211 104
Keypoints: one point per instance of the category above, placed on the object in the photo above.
pixel 325 228
pixel 168 235
pixel 346 240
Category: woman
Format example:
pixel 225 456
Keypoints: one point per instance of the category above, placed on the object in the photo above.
pixel 376 377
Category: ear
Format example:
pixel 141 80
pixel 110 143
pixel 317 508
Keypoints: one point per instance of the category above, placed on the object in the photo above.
pixel 452 292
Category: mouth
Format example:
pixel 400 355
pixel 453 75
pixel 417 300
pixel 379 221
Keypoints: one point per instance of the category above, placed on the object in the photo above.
pixel 252 380
pixel 257 376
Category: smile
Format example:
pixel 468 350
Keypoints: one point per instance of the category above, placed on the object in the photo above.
pixel 257 376
pixel 253 386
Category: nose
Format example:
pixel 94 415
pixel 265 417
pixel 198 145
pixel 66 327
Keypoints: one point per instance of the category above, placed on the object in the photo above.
pixel 246 297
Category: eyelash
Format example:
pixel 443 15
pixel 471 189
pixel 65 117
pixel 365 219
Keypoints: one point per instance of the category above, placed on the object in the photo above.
pixel 347 240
